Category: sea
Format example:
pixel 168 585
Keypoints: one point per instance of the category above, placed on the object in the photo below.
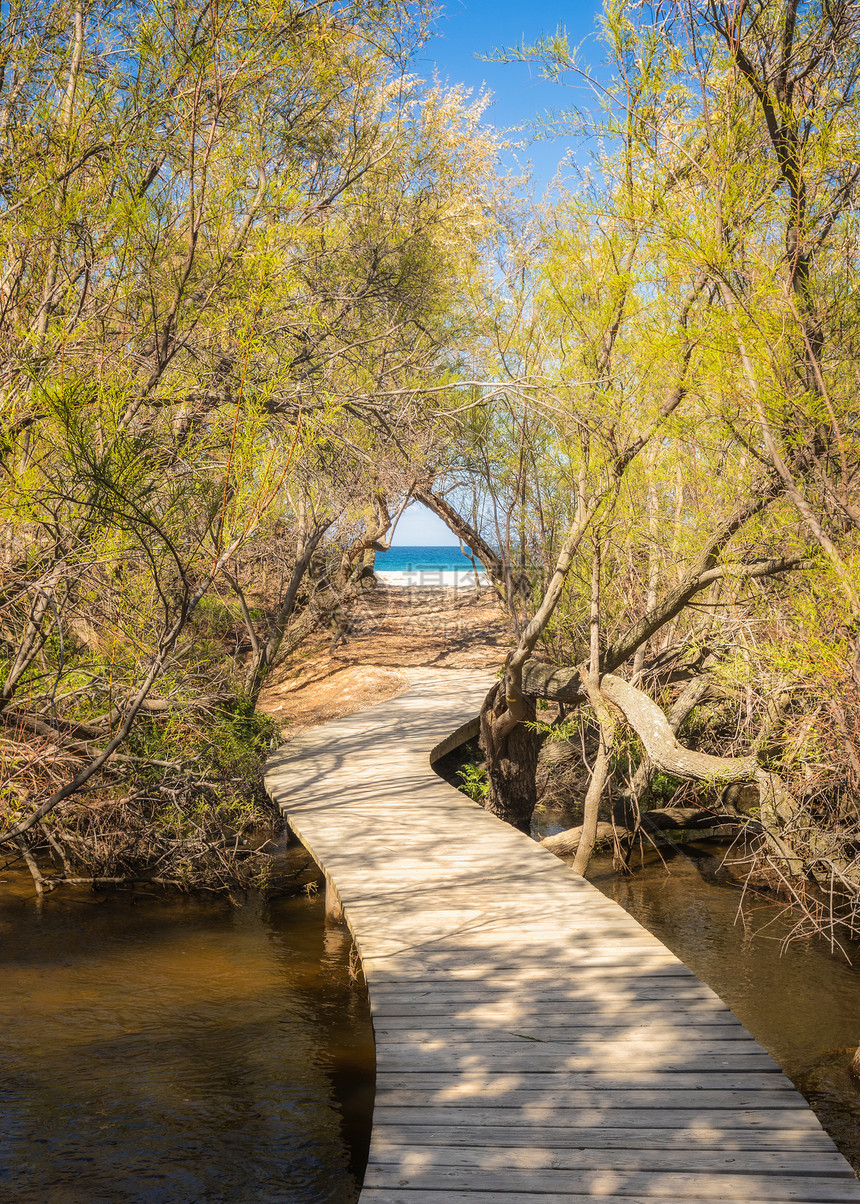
pixel 423 559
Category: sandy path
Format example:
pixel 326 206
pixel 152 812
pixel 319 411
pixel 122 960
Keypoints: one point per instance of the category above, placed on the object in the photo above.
pixel 396 635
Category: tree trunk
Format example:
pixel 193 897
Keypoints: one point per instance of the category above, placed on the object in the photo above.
pixel 777 807
pixel 565 844
pixel 464 530
pixel 661 827
pixel 511 762
pixel 591 807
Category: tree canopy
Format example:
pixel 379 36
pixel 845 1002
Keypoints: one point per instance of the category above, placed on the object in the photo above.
pixel 262 285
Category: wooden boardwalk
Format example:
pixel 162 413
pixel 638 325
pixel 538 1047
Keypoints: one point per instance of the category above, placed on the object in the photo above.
pixel 534 1043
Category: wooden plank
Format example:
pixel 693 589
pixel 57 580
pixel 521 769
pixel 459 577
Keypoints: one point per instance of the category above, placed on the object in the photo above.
pixel 430 963
pixel 486 1156
pixel 434 964
pixel 680 997
pixel 694 1143
pixel 723 1037
pixel 442 998
pixel 653 1046
pixel 549 1100
pixel 493 1080
pixel 613 1183
pixel 559 1028
pixel 535 1060
pixel 587 1008
pixel 405 1017
pixel 417 1195
pixel 535 1045
pixel 608 1118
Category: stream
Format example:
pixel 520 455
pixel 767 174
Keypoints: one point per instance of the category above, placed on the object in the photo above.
pixel 175 1048
pixel 800 1000
pixel 164 1049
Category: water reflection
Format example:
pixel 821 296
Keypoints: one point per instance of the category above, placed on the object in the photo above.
pixel 179 1049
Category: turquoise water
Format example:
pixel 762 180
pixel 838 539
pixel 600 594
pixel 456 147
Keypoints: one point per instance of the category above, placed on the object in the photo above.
pixel 427 559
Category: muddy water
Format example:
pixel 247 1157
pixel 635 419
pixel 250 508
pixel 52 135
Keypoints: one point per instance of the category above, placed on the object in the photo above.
pixel 177 1049
pixel 169 1050
pixel 800 1001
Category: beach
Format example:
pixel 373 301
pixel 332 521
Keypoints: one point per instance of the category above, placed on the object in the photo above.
pixel 434 578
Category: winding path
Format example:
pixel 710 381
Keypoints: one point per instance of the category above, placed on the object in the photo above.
pixel 534 1043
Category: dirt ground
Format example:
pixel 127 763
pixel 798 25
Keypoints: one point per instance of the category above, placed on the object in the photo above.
pixel 395 633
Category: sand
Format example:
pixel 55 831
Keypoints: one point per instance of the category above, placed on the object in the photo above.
pixel 397 632
pixel 458 579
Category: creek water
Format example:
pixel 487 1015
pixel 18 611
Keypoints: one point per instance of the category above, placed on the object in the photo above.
pixel 176 1048
pixel 800 1000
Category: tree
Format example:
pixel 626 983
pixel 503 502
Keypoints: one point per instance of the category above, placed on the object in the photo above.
pixel 230 268
pixel 689 352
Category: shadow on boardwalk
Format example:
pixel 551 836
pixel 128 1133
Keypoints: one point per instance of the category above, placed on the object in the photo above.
pixel 534 1043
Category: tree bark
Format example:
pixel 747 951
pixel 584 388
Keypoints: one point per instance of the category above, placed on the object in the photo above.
pixel 599 777
pixel 565 844
pixel 698 821
pixel 777 807
pixel 511 761
pixel 602 771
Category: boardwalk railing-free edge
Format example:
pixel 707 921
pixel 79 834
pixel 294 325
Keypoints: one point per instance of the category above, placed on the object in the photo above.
pixel 534 1044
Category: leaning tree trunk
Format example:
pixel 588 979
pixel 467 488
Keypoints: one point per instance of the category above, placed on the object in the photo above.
pixel 600 775
pixel 777 807
pixel 511 762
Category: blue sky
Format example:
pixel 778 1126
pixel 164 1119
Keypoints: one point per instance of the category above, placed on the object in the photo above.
pixel 419 528
pixel 466 30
